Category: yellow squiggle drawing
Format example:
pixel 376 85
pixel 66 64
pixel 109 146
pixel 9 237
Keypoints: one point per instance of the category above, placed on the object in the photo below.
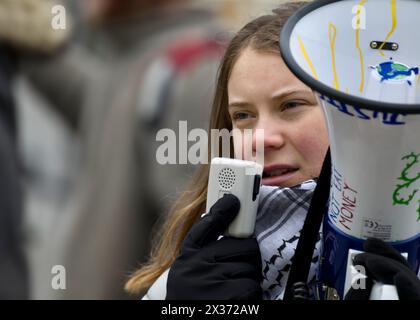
pixel 362 65
pixel 332 29
pixel 394 25
pixel 306 56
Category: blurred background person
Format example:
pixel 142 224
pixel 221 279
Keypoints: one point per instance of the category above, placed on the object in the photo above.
pixel 131 68
pixel 14 37
pixel 14 282
pixel 24 25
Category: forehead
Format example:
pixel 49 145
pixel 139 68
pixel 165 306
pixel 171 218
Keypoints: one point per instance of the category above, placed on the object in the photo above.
pixel 263 69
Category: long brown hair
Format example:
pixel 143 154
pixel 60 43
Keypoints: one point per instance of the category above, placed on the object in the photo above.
pixel 260 34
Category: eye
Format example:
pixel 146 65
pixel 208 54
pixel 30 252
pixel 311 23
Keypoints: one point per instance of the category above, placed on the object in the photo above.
pixel 293 105
pixel 237 116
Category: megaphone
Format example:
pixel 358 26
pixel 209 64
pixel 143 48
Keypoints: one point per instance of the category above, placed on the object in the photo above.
pixel 362 60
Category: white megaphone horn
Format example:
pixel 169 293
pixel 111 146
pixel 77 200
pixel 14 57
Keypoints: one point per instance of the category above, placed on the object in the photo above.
pixel 362 60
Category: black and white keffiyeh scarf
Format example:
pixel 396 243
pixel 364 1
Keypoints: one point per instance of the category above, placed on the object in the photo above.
pixel 280 218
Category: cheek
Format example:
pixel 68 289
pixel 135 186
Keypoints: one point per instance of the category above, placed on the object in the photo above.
pixel 312 145
pixel 242 144
pixel 237 148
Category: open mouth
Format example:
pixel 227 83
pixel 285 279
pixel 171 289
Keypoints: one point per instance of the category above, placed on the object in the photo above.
pixel 278 172
pixel 279 176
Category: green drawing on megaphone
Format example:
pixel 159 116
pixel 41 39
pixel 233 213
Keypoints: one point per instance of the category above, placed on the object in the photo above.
pixel 398 200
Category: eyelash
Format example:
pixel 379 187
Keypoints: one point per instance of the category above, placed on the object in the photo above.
pixel 236 115
pixel 296 103
pixel 245 116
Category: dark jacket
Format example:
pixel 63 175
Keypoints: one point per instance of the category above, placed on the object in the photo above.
pixel 13 269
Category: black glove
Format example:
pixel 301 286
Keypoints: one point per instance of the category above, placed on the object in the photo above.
pixel 385 264
pixel 207 268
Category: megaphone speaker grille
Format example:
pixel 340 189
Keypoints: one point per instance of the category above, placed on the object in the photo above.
pixel 227 178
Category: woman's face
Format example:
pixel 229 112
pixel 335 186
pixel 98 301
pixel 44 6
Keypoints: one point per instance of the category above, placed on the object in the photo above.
pixel 264 94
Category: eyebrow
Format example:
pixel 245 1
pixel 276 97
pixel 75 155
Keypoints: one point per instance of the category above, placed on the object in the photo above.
pixel 282 95
pixel 277 96
pixel 238 104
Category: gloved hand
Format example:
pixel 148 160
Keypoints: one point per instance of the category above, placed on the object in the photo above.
pixel 207 268
pixel 386 265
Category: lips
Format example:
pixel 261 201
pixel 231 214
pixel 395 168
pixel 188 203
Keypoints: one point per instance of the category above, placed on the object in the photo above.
pixel 277 172
pixel 278 175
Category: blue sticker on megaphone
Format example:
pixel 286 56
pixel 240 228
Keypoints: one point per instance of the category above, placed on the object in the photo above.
pixel 395 71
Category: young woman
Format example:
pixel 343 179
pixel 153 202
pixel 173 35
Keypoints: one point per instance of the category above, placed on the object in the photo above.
pixel 255 90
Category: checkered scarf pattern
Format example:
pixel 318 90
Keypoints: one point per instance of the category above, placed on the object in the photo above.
pixel 280 218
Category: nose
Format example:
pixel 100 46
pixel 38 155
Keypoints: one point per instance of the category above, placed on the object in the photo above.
pixel 267 136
